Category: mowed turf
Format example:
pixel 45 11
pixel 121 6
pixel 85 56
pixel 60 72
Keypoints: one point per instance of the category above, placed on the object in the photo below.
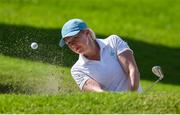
pixel 151 29
pixel 91 103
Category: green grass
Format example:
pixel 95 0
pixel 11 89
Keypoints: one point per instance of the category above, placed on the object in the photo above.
pixel 152 21
pixel 20 76
pixel 91 103
pixel 151 28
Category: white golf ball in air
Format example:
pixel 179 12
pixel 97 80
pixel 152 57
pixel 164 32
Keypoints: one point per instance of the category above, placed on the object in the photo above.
pixel 34 45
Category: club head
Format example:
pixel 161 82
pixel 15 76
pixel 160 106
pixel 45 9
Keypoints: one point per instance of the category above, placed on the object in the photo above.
pixel 158 72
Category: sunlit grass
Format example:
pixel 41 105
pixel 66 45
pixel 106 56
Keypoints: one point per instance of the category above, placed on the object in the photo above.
pixel 92 103
pixel 21 76
pixel 39 81
pixel 152 21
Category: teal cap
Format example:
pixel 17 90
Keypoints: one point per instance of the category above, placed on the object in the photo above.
pixel 71 28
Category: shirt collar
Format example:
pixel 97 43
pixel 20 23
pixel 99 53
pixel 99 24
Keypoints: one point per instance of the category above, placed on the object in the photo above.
pixel 102 43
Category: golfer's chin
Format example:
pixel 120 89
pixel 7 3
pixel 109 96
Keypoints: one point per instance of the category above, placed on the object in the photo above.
pixel 79 52
pixel 82 53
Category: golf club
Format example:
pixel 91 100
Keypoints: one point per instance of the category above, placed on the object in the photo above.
pixel 158 72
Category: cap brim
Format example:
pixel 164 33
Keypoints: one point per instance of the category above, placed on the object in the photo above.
pixel 62 43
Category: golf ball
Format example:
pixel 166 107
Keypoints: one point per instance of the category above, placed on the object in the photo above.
pixel 34 45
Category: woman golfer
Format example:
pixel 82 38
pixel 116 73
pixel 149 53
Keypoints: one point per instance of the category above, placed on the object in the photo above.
pixel 103 64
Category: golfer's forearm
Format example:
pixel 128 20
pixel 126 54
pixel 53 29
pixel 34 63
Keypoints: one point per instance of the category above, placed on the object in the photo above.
pixel 92 86
pixel 97 89
pixel 134 80
pixel 93 89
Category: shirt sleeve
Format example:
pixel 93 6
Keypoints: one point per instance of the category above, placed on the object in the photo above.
pixel 120 45
pixel 80 77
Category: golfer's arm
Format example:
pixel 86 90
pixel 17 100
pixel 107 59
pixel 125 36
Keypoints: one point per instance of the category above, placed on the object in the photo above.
pixel 129 65
pixel 92 86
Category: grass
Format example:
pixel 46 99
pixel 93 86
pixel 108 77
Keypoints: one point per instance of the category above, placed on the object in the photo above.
pixel 36 78
pixel 91 103
pixel 148 21
pixel 28 77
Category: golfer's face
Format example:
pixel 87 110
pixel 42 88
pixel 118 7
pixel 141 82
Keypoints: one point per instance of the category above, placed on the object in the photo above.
pixel 77 43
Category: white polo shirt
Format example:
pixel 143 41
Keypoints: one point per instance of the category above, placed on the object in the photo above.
pixel 107 71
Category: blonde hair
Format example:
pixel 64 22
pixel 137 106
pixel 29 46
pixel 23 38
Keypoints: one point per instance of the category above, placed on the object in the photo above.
pixel 92 33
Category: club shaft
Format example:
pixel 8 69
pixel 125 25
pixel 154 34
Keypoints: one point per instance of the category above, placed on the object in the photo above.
pixel 152 85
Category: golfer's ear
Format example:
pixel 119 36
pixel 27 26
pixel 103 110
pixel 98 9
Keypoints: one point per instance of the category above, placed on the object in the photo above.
pixel 86 31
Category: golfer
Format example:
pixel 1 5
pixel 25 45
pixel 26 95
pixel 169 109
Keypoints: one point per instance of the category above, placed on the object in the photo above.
pixel 104 64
